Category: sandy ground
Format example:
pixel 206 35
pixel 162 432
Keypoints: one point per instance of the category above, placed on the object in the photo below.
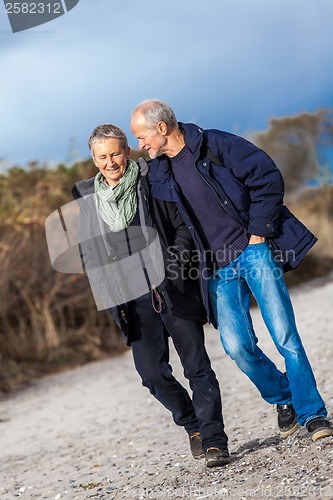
pixel 95 432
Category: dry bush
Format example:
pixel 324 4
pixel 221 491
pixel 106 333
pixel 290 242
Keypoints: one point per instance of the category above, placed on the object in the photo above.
pixel 294 143
pixel 314 207
pixel 48 320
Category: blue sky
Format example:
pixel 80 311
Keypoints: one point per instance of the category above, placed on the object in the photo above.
pixel 229 64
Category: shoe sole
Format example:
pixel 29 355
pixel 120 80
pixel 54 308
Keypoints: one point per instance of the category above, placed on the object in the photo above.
pixel 321 433
pixel 220 462
pixel 199 457
pixel 289 432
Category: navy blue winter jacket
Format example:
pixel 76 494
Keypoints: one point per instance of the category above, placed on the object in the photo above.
pixel 248 185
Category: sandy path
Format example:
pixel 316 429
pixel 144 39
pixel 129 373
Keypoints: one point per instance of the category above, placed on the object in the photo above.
pixel 95 432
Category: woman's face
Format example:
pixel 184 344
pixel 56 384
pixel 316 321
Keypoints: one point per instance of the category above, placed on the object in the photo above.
pixel 110 158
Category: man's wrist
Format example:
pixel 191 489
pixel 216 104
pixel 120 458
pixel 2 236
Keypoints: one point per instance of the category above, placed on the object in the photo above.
pixel 256 239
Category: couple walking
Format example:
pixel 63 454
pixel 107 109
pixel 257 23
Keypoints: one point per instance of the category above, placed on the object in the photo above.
pixel 216 203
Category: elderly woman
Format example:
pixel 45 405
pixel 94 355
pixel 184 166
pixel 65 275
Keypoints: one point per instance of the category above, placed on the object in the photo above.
pixel 118 224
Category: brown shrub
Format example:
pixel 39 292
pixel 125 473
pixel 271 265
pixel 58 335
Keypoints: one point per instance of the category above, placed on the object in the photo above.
pixel 48 320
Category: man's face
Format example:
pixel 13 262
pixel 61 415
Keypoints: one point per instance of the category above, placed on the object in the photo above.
pixel 110 158
pixel 152 140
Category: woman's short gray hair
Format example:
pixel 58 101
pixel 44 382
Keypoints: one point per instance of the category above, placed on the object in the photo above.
pixel 155 111
pixel 107 131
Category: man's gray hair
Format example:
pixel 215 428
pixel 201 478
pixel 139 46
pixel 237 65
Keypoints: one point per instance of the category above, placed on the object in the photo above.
pixel 155 111
pixel 107 131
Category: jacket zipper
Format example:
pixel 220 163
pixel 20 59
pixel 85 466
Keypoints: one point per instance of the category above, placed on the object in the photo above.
pixel 241 222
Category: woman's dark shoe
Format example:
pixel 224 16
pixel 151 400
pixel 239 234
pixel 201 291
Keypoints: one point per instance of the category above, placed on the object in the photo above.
pixel 216 457
pixel 196 445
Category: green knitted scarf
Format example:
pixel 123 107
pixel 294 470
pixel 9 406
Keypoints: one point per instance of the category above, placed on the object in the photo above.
pixel 118 206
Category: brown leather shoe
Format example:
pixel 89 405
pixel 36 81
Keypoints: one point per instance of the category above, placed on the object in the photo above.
pixel 196 445
pixel 216 457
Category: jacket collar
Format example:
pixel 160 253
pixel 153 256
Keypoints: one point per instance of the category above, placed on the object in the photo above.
pixel 193 135
pixel 83 188
pixel 160 168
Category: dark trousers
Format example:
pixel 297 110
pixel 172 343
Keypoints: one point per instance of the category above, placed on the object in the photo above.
pixel 149 341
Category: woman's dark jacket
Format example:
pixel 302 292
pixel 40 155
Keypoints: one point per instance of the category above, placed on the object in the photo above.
pixel 247 184
pixel 180 293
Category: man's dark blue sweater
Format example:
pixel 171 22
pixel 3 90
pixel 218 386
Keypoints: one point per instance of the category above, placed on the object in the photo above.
pixel 220 233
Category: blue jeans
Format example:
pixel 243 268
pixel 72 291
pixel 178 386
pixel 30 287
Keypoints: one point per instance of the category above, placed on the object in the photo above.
pixel 149 337
pixel 256 272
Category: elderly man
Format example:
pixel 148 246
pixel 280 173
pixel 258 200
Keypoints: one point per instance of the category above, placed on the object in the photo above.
pixel 230 194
